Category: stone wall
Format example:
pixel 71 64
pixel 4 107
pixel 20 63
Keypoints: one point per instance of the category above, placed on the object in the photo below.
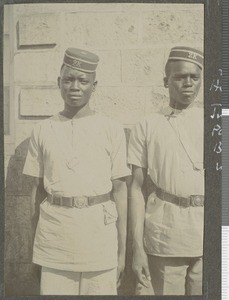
pixel 132 41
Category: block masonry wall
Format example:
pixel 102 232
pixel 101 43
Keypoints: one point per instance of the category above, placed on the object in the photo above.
pixel 132 41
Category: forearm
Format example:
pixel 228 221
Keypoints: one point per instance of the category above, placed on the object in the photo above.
pixel 120 197
pixel 137 213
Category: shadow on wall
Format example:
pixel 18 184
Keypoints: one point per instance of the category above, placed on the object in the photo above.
pixel 22 277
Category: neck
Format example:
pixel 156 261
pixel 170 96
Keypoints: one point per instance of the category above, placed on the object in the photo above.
pixel 179 106
pixel 76 112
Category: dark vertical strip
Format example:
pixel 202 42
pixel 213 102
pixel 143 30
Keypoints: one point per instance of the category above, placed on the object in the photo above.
pixel 1 161
pixel 225 171
pixel 212 96
pixel 225 104
pixel 225 53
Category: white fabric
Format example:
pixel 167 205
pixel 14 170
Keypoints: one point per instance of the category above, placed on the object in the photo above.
pixel 170 145
pixel 57 282
pixel 94 147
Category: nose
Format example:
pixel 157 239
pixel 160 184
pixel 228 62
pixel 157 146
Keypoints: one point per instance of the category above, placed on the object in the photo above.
pixel 75 85
pixel 188 81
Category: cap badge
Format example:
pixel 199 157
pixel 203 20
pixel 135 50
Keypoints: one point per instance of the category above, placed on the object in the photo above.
pixel 76 63
pixel 192 55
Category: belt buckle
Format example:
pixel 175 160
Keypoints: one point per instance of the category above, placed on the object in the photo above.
pixel 80 202
pixel 195 200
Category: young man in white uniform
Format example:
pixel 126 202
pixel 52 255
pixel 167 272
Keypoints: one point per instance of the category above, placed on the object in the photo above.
pixel 168 233
pixel 78 159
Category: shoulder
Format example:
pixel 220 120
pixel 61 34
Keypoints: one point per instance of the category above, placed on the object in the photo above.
pixel 43 124
pixel 41 127
pixel 108 123
pixel 153 118
pixel 197 112
pixel 106 119
pixel 150 120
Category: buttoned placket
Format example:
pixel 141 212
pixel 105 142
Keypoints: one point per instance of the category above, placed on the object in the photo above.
pixel 72 133
pixel 73 161
pixel 69 145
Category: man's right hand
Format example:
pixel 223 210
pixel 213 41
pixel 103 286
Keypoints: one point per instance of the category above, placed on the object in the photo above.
pixel 140 267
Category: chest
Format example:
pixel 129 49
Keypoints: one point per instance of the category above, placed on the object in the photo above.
pixel 176 135
pixel 74 139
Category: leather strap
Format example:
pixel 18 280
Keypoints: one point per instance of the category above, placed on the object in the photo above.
pixel 192 200
pixel 79 201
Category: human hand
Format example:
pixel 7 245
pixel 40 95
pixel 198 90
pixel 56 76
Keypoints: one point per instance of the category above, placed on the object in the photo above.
pixel 140 268
pixel 120 269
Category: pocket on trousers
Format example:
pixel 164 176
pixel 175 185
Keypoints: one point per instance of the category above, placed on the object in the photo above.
pixel 110 213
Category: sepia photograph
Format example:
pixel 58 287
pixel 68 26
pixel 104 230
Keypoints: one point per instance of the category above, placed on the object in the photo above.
pixel 104 149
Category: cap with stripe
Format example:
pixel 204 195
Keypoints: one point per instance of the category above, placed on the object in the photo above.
pixel 81 60
pixel 187 54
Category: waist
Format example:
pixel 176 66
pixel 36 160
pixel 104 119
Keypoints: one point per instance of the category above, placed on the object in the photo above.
pixel 192 200
pixel 78 201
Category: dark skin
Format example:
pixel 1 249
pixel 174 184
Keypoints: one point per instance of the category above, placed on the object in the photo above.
pixel 183 79
pixel 76 88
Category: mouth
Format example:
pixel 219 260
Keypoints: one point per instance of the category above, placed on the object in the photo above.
pixel 74 97
pixel 187 92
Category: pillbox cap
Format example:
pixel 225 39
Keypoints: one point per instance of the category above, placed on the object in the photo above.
pixel 187 54
pixel 81 60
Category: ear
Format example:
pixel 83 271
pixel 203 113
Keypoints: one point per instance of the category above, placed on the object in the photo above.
pixel 166 82
pixel 58 81
pixel 94 86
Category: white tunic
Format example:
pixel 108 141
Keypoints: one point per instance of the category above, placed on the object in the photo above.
pixel 170 145
pixel 76 157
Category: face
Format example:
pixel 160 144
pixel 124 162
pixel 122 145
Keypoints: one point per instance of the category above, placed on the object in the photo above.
pixel 183 80
pixel 76 87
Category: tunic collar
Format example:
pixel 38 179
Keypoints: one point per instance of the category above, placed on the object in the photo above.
pixel 173 112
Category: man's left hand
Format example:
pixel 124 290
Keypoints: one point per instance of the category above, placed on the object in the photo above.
pixel 120 269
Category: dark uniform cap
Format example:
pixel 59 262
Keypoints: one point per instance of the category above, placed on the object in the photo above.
pixel 187 54
pixel 81 60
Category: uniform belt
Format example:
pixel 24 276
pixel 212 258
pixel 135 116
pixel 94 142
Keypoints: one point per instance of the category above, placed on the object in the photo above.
pixel 78 201
pixel 192 200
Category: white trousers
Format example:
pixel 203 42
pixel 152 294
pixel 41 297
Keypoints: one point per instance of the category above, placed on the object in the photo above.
pixel 176 275
pixel 58 282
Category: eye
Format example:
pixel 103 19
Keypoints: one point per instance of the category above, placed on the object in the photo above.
pixel 178 77
pixel 66 80
pixel 84 81
pixel 195 78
